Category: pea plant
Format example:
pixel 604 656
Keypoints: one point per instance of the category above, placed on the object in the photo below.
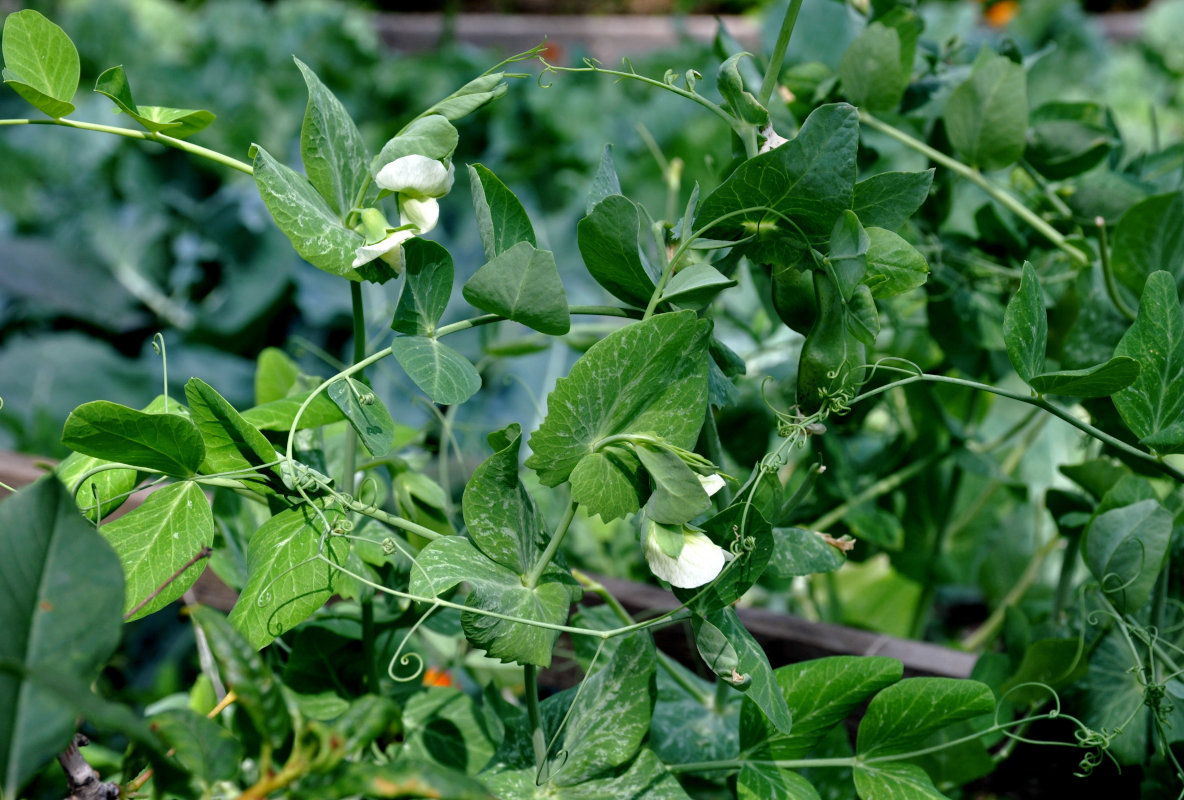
pixel 952 275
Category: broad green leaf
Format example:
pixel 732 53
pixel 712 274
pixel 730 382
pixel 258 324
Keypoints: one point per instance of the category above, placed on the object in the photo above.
pixel 737 99
pixel 1051 663
pixel 469 97
pixel 761 781
pixel 309 222
pixel 736 526
pixel 444 375
pixel 847 259
pixel 426 289
pixel 175 122
pixel 287 575
pixel 1102 380
pixel 365 413
pixel 278 415
pixel 522 284
pixel 797 551
pixel 1069 138
pixel 686 727
pixel 368 717
pixel 1149 237
pixel 164 443
pixel 734 656
pixel 611 716
pixel 987 115
pixel 1125 549
pixel 607 481
pixel 331 148
pixel 444 725
pixel 893 265
pixel 501 219
pixel 260 695
pixel 451 560
pixel 820 694
pixel 232 444
pixel 894 780
pixel 432 136
pixel 158 538
pixel 393 781
pixel 677 495
pixel 59 610
pixel 648 377
pixel 109 488
pixel 1025 326
pixel 871 69
pixel 888 199
pixel 646 779
pixel 1155 401
pixel 502 518
pixel 609 243
pixel 605 182
pixel 696 285
pixel 40 62
pixel 809 179
pixel 207 750
pixel 275 375
pixel 904 714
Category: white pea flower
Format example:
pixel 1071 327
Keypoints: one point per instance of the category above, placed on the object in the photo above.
pixel 418 180
pixel 698 561
pixel 381 241
pixel 711 483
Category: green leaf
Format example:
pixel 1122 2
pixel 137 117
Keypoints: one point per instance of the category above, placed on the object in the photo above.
pixel 1125 548
pixel 444 725
pixel 275 375
pixel 696 285
pixel 469 97
pixel 893 265
pixel 501 219
pixel 761 781
pixel 394 781
pixel 1025 326
pixel 40 62
pixel 1149 237
pixel 164 443
pixel 232 444
pixel 522 284
pixel 365 413
pixel 1101 380
pixel 426 289
pixel 444 375
pixel 502 518
pixel 260 695
pixel 731 653
pixel 820 694
pixel 894 780
pixel 331 148
pixel 109 488
pixel 904 714
pixel 987 115
pixel 451 560
pixel 308 221
pixel 287 579
pixel 871 69
pixel 736 522
pixel 278 415
pixel 176 122
pixel 677 496
pixel 797 552
pixel 888 199
pixel 1069 138
pixel 203 747
pixel 432 136
pixel 607 481
pixel 605 182
pixel 611 716
pixel 646 779
pixel 611 248
pixel 59 610
pixel 648 377
pixel 809 179
pixel 1051 663
pixel 743 105
pixel 1155 401
pixel 156 539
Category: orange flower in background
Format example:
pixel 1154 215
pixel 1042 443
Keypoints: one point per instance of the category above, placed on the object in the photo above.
pixel 999 13
pixel 437 677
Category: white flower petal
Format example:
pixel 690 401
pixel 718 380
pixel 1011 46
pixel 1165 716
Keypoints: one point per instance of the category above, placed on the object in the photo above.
pixel 368 252
pixel 423 214
pixel 711 483
pixel 699 562
pixel 416 175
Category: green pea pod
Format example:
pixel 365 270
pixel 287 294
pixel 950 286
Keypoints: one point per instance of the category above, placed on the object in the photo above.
pixel 829 353
pixel 365 720
pixel 793 297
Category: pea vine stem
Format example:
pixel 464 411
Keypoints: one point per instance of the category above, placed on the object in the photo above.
pixel 997 193
pixel 548 554
pixel 168 141
pixel 777 57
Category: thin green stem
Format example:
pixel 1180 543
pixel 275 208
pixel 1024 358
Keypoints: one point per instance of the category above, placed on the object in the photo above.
pixel 986 632
pixel 486 319
pixel 1065 581
pixel 777 57
pixel 390 519
pixel 530 675
pixel 1108 273
pixel 886 484
pixel 1000 195
pixel 536 572
pixel 715 451
pixel 168 141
